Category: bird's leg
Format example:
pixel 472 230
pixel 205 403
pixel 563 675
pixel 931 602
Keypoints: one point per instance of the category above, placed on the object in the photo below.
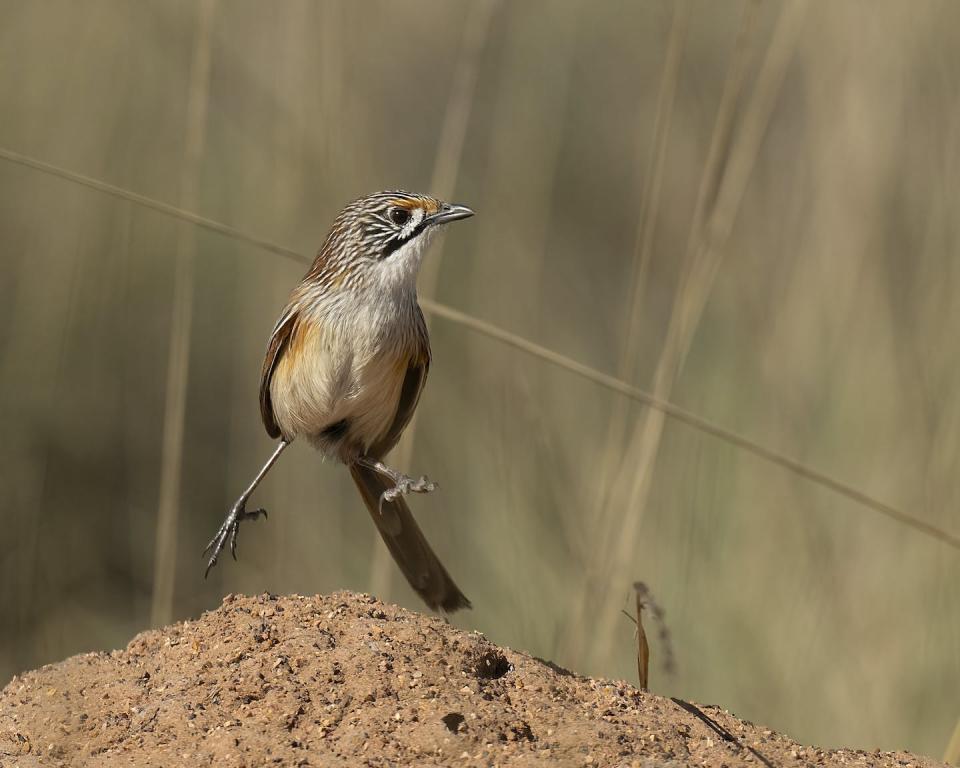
pixel 402 484
pixel 238 513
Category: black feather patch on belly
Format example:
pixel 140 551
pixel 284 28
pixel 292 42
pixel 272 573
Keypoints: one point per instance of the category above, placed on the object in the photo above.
pixel 336 431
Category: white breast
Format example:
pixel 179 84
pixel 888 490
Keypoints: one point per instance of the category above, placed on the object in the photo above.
pixel 341 366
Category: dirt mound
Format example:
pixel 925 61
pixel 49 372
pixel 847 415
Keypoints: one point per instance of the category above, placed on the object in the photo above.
pixel 347 680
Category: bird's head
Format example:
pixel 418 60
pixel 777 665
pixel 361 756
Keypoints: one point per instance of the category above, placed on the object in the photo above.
pixel 380 239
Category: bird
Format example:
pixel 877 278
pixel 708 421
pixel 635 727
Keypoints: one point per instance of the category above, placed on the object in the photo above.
pixel 344 369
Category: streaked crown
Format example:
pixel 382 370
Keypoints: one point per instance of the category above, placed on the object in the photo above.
pixel 379 229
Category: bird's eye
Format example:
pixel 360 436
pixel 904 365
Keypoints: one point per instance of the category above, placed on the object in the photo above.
pixel 399 216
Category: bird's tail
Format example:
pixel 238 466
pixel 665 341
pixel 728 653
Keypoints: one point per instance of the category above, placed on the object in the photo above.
pixel 407 543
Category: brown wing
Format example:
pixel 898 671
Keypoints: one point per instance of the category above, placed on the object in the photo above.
pixel 275 349
pixel 413 382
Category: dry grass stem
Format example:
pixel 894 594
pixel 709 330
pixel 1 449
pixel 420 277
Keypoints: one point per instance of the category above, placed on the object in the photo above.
pixel 952 754
pixel 643 648
pixel 165 558
pixel 632 486
pixel 644 600
pixel 443 182
pixel 646 226
pixel 629 351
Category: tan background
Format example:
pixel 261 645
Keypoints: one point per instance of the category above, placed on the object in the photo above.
pixel 810 307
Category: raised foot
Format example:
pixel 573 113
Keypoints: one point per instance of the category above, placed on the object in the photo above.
pixel 404 484
pixel 228 530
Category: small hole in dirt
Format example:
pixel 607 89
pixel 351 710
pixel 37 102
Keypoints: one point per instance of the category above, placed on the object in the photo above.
pixel 491 665
pixel 452 720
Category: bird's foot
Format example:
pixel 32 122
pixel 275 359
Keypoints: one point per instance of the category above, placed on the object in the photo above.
pixel 228 532
pixel 404 484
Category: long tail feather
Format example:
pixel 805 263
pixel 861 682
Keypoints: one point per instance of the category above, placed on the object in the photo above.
pixel 406 542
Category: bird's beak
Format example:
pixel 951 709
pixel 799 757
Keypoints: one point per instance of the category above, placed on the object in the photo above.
pixel 449 212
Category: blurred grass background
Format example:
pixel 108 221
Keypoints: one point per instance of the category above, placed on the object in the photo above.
pixel 747 208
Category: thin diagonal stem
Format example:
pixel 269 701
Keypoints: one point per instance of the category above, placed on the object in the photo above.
pixel 646 225
pixel 632 487
pixel 612 453
pixel 491 331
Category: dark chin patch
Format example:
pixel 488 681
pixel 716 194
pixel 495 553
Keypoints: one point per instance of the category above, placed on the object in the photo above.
pixel 398 242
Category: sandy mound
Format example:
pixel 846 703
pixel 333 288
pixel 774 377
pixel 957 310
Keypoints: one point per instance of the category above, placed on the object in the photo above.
pixel 347 680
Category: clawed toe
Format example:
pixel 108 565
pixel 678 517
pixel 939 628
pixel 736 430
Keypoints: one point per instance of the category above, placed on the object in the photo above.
pixel 228 533
pixel 402 484
pixel 243 515
pixel 405 485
